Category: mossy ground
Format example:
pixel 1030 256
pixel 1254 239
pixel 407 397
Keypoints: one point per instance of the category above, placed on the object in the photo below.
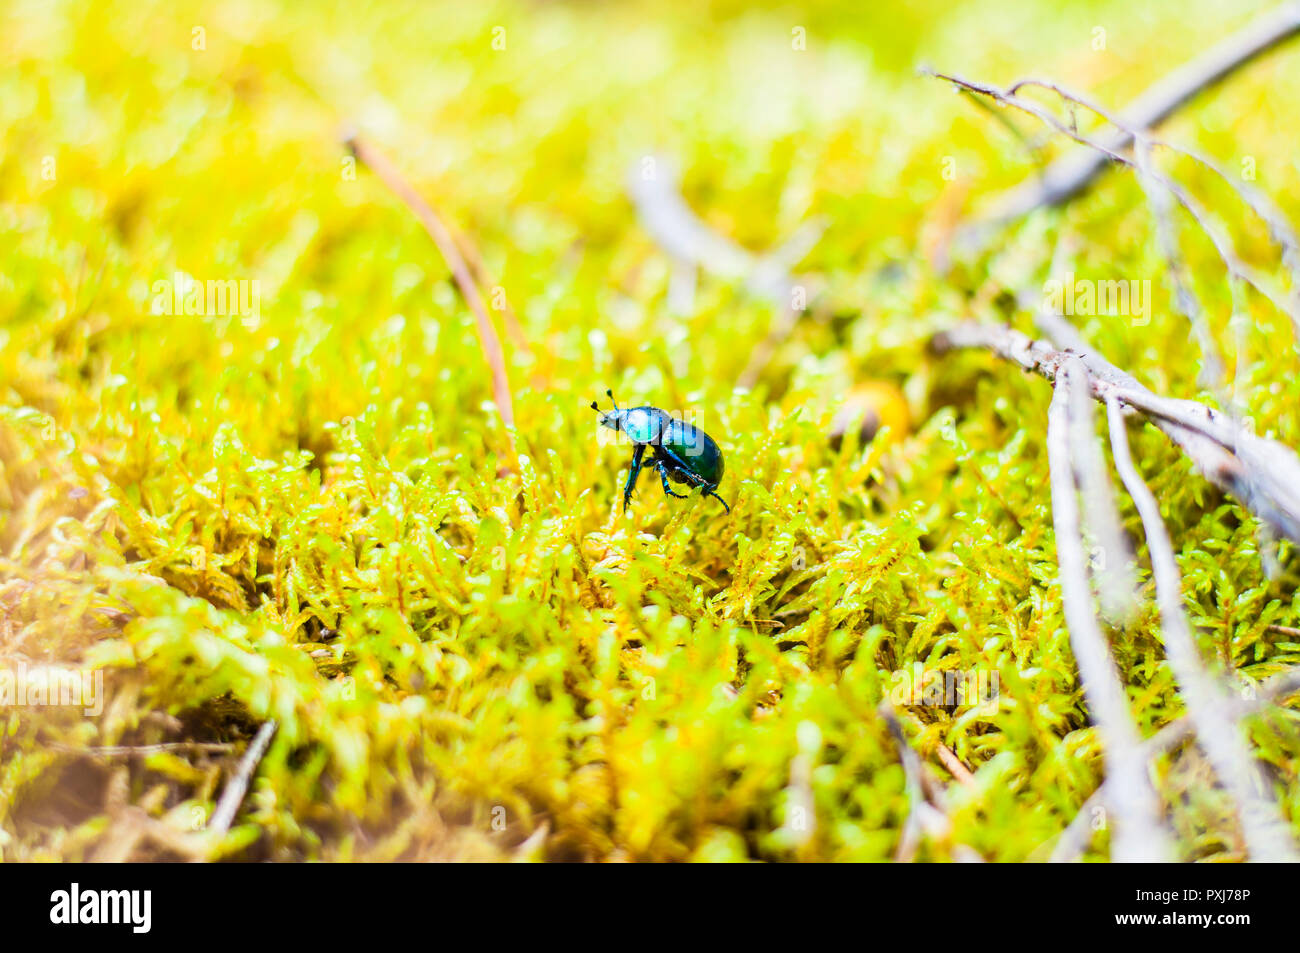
pixel 315 517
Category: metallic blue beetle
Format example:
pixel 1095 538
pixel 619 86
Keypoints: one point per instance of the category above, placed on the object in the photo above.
pixel 681 452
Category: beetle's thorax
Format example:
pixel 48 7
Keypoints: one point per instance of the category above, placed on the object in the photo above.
pixel 645 424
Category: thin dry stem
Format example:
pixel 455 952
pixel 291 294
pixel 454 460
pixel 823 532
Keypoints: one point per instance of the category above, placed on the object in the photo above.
pixel 233 795
pixel 460 271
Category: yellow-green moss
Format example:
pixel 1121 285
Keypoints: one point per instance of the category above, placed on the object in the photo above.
pixel 308 517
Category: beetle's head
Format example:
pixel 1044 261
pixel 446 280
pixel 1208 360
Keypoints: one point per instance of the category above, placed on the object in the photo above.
pixel 613 419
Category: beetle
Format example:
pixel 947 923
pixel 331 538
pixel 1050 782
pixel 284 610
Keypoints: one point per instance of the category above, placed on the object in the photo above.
pixel 681 452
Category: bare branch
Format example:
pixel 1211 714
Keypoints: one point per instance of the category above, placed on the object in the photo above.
pixel 1185 298
pixel 1153 182
pixel 655 188
pixel 1140 833
pixel 483 279
pixel 1223 738
pixel 1074 840
pixel 1072 173
pixel 1262 474
pixel 1111 564
pixel 1259 202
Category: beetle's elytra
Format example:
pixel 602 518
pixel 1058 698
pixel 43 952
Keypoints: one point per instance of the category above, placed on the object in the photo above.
pixel 681 452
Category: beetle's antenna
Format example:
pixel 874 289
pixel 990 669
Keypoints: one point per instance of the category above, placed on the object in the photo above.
pixel 609 392
pixel 595 406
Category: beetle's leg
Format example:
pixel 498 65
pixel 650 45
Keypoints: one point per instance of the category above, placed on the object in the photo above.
pixel 682 469
pixel 664 456
pixel 663 475
pixel 637 454
pixel 710 492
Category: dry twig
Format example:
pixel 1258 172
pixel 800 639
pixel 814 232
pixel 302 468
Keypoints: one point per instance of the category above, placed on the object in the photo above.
pixel 237 786
pixel 956 768
pixel 1111 564
pixel 923 818
pixel 1139 828
pixel 143 751
pixel 1072 173
pixel 1263 474
pixel 1222 736
pixel 460 271
pixel 1235 459
pixel 1160 188
pixel 1074 840
pixel 1258 202
pixel 479 272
